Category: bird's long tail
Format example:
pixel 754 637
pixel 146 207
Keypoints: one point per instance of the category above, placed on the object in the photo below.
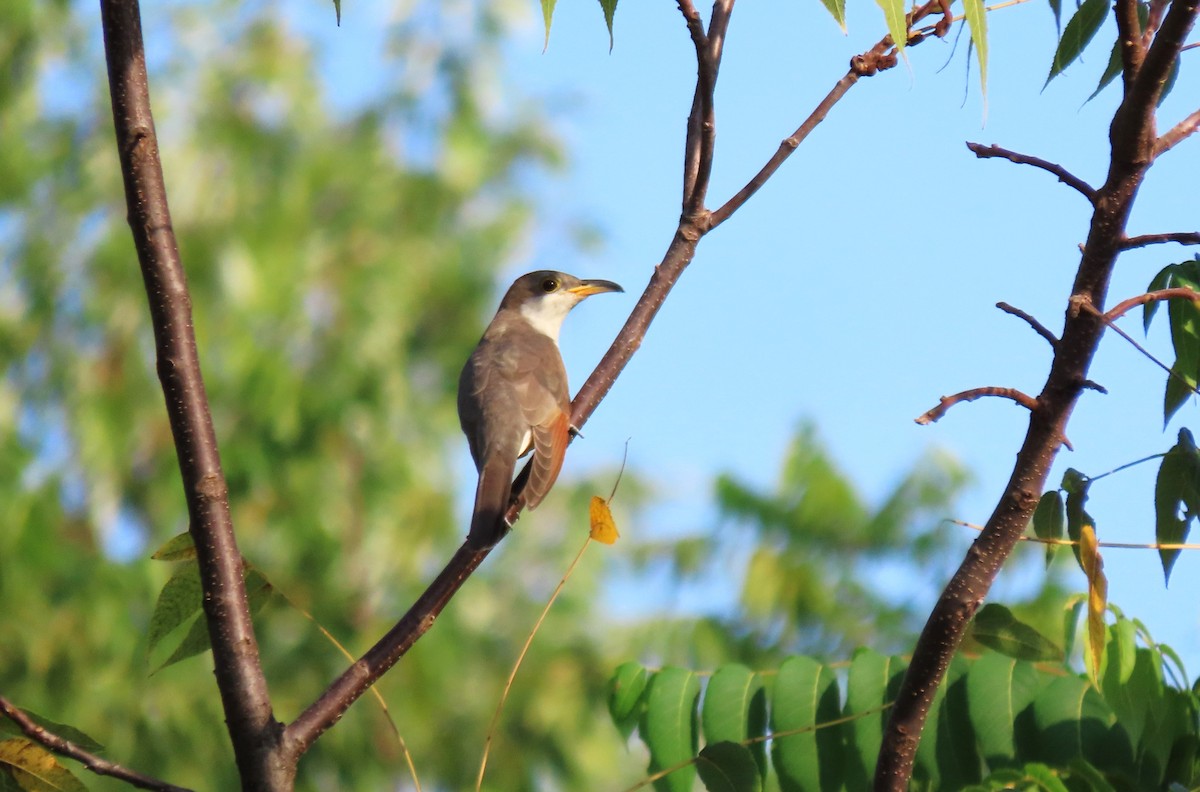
pixel 491 502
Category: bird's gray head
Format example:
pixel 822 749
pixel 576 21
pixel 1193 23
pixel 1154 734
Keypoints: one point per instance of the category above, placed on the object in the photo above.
pixel 544 298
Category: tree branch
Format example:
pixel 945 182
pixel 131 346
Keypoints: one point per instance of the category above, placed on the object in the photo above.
pixel 1129 33
pixel 358 678
pixel 946 402
pixel 1037 326
pixel 1132 138
pixel 1176 134
pixel 239 675
pixel 64 747
pixel 1142 240
pixel 1125 306
pixel 1064 176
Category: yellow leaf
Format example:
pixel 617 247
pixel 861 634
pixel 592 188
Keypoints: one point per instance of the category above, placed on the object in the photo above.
pixel 35 769
pixel 1093 566
pixel 604 528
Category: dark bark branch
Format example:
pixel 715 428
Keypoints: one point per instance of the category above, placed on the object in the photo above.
pixel 1064 176
pixel 704 84
pixel 1142 240
pixel 1177 133
pixel 64 747
pixel 1132 137
pixel 239 676
pixel 946 402
pixel 1125 306
pixel 358 678
pixel 1129 33
pixel 1037 326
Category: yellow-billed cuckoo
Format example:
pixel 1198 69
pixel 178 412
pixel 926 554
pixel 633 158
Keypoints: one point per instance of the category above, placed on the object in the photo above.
pixel 513 397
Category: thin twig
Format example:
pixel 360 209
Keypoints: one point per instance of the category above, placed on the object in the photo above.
pixel 512 675
pixel 1125 306
pixel 1177 133
pixel 64 747
pixel 1170 371
pixel 1143 240
pixel 1064 176
pixel 239 675
pixel 946 402
pixel 1037 326
pixel 1105 545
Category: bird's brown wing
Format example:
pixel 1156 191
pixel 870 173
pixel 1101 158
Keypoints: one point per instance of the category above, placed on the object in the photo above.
pixel 549 448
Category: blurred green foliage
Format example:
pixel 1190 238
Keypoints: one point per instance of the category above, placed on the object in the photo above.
pixel 339 266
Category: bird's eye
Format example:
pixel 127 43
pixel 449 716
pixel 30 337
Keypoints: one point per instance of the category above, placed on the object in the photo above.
pixel 550 285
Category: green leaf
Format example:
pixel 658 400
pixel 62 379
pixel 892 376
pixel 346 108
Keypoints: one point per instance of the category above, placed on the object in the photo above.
pixel 947 757
pixel 735 709
pixel 669 727
pixel 805 694
pixel 1056 9
pixel 547 15
pixel 610 10
pixel 1160 281
pixel 1086 772
pixel 179 600
pixel 1073 722
pixel 838 9
pixel 1071 613
pixel 866 690
pixel 997 628
pixel 1076 486
pixel 1172 76
pixel 1176 490
pixel 895 12
pixel 178 548
pixel 1079 31
pixel 1115 64
pixel 728 767
pixel 1185 338
pixel 999 688
pixel 625 702
pixel 1049 520
pixel 35 769
pixel 977 22
pixel 1045 778
pixel 337 10
pixel 194 642
pixel 76 736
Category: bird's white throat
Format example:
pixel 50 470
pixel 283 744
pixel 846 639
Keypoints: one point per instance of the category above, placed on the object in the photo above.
pixel 546 313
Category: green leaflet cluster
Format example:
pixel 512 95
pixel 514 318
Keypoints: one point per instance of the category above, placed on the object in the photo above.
pixel 1000 721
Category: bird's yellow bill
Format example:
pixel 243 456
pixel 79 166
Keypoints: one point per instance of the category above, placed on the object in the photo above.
pixel 604 528
pixel 588 288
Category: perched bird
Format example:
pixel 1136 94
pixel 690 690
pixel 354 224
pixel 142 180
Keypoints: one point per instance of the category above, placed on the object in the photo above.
pixel 513 397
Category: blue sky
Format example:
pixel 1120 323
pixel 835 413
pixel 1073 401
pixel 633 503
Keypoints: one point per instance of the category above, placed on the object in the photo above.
pixel 859 285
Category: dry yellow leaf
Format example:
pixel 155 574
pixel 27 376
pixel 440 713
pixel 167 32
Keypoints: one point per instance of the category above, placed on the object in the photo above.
pixel 1093 566
pixel 604 528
